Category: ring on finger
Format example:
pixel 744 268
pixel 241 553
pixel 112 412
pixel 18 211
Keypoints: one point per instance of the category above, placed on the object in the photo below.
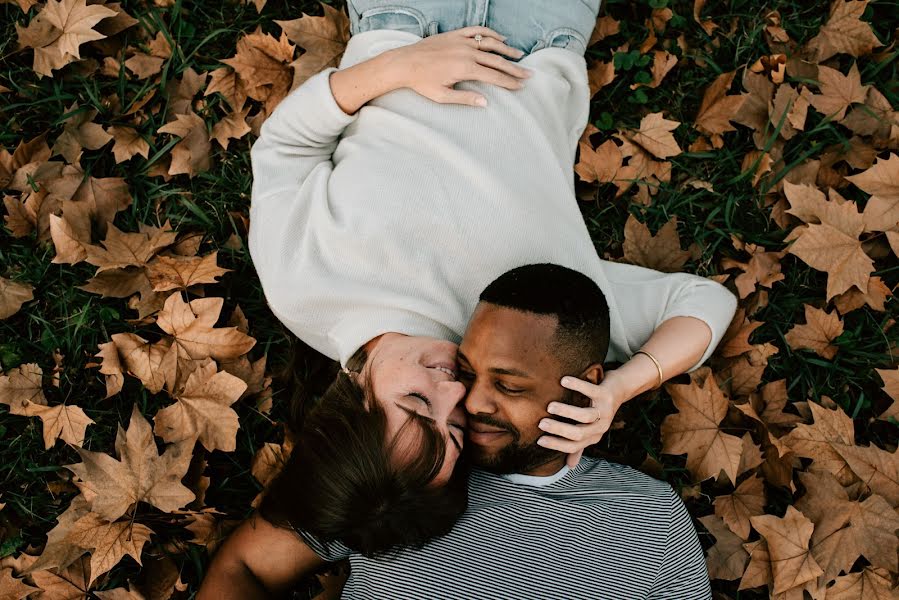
pixel 478 37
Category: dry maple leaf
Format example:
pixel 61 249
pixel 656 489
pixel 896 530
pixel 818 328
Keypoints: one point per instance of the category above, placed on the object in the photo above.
pixel 788 111
pixel 66 422
pixel 762 269
pixel 870 584
pixel 599 75
pixel 12 296
pixel 606 26
pixel 111 367
pixel 695 431
pixel 820 329
pixel 810 205
pixel 21 388
pixel 878 469
pixel 323 38
pixel 94 202
pixel 181 272
pixel 844 32
pixel 727 559
pixel 127 143
pixel 661 251
pixel 748 500
pixel 12 588
pixel 736 339
pixel 838 91
pixel 193 327
pixel 120 249
pixel 846 529
pixel 717 108
pixel 602 164
pixel 58 551
pixel 262 64
pixel 876 117
pixel 69 249
pixel 822 441
pixel 654 136
pixel 108 542
pixel 771 403
pixel 881 181
pixel 853 299
pixel 232 127
pixel 111 487
pixel 191 155
pixel 890 380
pixel 79 133
pixel 70 583
pixel 203 409
pixel 58 30
pixel 142 359
pixel 841 256
pixel 123 593
pixel 269 460
pixel 662 63
pixel 788 547
pixel 228 83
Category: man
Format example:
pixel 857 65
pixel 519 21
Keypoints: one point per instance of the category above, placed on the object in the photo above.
pixel 533 527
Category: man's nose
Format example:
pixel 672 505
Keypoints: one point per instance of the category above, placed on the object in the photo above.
pixel 479 401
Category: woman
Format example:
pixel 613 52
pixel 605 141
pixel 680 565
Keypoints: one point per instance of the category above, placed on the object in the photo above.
pixel 387 194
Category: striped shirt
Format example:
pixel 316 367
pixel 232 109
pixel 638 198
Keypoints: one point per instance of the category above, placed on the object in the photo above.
pixel 601 530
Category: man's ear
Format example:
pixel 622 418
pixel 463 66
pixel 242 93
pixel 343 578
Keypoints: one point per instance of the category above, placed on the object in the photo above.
pixel 594 373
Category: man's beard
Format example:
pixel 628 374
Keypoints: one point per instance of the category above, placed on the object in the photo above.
pixel 518 457
pixel 515 457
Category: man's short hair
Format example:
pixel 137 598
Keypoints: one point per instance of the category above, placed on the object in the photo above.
pixel 582 336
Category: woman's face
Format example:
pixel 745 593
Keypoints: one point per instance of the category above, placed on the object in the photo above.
pixel 410 374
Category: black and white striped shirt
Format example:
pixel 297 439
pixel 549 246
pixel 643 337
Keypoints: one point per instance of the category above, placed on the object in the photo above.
pixel 601 530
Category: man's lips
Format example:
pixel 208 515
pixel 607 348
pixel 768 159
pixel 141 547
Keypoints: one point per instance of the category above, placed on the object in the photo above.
pixel 482 435
pixel 482 428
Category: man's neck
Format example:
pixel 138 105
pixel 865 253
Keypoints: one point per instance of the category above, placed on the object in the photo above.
pixel 545 470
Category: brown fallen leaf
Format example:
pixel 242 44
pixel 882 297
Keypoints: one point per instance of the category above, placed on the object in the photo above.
pixel 870 584
pixel 876 118
pixel 181 272
pixel 606 26
pixel 823 440
pixel 878 469
pixel 890 378
pixel 203 409
pixel 819 331
pixel 654 136
pixel 58 30
pixel 127 143
pixel 108 542
pixel 661 251
pixel 79 133
pixel 788 546
pixel 21 388
pixel 838 91
pixel 718 109
pixel 232 127
pixel 193 327
pixel 70 583
pixel 12 296
pixel 841 256
pixel 323 38
pixel 12 588
pixel 69 249
pixel 844 32
pixel 142 359
pixel 662 63
pixel 120 249
pixel 762 269
pixel 63 421
pixel 59 552
pixel 694 430
pixel 602 164
pixel 727 559
pixel 263 67
pixel 853 299
pixel 748 500
pixel 111 367
pixel 191 155
pixel 111 487
pixel 599 75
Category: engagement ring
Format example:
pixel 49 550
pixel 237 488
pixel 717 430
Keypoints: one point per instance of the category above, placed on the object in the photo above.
pixel 478 37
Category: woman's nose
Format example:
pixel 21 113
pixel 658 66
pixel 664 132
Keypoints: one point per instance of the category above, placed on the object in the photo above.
pixel 452 392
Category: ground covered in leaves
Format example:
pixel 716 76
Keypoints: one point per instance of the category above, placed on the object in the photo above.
pixel 755 143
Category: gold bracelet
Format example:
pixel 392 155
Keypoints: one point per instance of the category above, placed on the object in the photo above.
pixel 656 363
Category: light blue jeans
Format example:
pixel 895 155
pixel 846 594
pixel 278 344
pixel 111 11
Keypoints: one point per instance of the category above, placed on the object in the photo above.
pixel 530 25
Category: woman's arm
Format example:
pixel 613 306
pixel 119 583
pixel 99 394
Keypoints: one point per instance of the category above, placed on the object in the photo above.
pixel 677 318
pixel 258 560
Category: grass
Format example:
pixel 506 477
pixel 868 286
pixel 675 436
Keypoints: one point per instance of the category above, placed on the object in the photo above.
pixel 34 486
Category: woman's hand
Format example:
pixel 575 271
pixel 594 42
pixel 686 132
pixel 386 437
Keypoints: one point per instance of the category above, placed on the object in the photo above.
pixel 595 420
pixel 434 65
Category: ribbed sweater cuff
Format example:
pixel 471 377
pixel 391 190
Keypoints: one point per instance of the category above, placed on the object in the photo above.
pixel 313 106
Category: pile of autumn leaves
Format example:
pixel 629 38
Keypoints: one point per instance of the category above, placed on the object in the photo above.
pixel 847 494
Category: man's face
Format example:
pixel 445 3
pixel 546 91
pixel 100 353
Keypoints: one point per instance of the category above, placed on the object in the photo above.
pixel 507 364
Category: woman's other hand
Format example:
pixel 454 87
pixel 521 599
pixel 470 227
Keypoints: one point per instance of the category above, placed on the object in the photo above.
pixel 434 65
pixel 593 421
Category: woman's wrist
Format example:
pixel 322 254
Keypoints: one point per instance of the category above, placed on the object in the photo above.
pixel 355 86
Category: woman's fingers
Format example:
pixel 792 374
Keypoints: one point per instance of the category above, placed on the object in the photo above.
pixel 461 97
pixel 494 45
pixel 497 78
pixel 575 413
pixel 557 443
pixel 579 385
pixel 576 433
pixel 479 29
pixel 501 64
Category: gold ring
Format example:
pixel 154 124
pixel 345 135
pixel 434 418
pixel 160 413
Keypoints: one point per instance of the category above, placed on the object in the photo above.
pixel 478 37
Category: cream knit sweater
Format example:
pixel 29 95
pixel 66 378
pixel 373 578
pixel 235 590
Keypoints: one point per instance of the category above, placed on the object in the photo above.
pixel 395 218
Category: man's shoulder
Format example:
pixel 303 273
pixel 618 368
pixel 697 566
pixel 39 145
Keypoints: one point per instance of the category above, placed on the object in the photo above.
pixel 603 475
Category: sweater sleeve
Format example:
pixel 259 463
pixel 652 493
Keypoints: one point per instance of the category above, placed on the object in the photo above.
pixel 682 572
pixel 646 298
pixel 298 137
